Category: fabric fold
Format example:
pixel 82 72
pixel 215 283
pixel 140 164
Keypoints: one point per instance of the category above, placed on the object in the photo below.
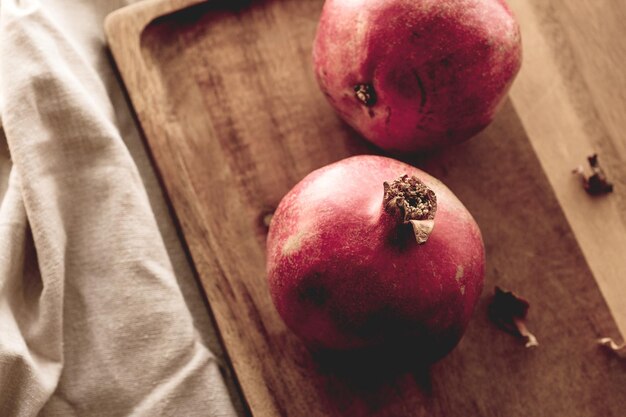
pixel 92 318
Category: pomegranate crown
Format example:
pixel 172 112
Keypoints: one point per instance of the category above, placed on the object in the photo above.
pixel 411 201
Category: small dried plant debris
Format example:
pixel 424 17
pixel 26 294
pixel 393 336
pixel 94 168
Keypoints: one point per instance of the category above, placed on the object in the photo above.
pixel 267 219
pixel 597 183
pixel 619 350
pixel 509 312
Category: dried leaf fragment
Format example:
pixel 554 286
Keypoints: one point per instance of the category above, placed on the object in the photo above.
pixel 509 313
pixel 597 183
pixel 619 350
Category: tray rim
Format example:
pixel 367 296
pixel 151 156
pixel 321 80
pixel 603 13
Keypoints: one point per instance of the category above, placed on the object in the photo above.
pixel 134 19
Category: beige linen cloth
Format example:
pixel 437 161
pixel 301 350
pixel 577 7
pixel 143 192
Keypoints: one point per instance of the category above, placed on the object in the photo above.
pixel 99 313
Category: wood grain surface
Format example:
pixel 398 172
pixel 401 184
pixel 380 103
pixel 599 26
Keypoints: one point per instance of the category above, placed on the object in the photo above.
pixel 226 97
pixel 571 98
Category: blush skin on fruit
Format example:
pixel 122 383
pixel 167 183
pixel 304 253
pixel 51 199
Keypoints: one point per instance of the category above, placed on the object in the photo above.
pixel 413 75
pixel 370 252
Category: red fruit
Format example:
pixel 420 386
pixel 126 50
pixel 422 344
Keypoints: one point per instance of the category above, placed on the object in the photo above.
pixel 416 74
pixel 353 259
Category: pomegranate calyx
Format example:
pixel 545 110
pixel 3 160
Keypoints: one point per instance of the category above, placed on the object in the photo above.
pixel 366 94
pixel 410 201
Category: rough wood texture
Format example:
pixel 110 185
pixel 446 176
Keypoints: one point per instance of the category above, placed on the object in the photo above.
pixel 233 118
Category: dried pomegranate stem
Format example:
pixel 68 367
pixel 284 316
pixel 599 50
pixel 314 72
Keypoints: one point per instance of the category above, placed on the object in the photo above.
pixel 410 201
pixel 597 183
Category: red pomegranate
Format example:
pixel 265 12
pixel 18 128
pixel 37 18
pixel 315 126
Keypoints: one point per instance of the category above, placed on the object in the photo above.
pixel 411 75
pixel 371 252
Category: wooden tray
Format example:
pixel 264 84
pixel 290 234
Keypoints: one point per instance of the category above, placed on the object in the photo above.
pixel 226 97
